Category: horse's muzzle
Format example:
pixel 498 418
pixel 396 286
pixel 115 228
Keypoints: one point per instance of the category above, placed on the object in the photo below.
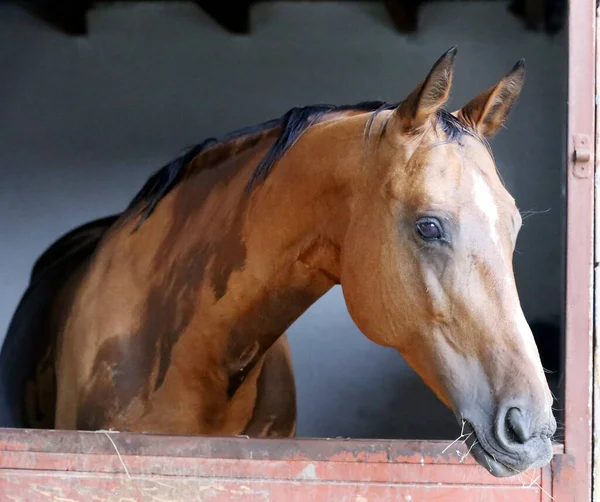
pixel 513 443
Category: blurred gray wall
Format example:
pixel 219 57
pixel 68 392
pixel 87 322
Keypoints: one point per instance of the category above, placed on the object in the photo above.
pixel 83 122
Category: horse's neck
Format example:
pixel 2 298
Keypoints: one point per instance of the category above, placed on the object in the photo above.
pixel 290 258
pixel 238 270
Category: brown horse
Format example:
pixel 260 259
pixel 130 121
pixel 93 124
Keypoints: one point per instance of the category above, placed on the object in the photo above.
pixel 170 318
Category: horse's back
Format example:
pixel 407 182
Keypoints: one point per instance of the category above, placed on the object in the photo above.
pixel 29 336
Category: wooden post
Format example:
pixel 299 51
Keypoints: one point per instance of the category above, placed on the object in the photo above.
pixel 573 474
pixel 596 372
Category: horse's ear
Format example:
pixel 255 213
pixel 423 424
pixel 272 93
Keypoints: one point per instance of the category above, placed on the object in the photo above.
pixel 429 96
pixel 488 111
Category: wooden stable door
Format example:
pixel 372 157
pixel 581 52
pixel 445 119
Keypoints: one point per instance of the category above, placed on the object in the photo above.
pixel 103 466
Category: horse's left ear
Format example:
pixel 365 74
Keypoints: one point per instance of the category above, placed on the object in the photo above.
pixel 488 111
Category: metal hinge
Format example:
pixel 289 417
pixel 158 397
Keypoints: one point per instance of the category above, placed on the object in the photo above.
pixel 582 156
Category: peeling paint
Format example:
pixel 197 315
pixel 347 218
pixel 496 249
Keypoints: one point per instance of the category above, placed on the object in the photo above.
pixel 207 471
pixel 309 472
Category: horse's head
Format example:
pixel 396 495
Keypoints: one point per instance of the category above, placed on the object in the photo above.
pixel 426 268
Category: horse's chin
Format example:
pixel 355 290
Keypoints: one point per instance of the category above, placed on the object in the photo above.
pixel 487 461
pixel 490 461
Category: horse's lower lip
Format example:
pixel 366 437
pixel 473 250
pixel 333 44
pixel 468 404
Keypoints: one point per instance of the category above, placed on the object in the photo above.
pixel 497 469
pixel 483 458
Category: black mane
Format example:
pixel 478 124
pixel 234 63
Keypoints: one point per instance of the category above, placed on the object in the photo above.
pixel 293 124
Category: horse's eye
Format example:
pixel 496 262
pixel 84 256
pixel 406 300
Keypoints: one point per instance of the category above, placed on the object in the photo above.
pixel 429 230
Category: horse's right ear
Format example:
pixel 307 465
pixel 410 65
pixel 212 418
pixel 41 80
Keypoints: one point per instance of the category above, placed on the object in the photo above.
pixel 429 96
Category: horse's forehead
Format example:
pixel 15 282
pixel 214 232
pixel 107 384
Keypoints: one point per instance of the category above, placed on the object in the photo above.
pixel 436 172
pixel 486 184
pixel 452 171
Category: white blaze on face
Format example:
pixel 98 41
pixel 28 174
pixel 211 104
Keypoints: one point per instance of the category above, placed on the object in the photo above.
pixel 484 198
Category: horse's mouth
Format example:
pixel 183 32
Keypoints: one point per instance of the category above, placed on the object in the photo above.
pixel 502 464
pixel 483 458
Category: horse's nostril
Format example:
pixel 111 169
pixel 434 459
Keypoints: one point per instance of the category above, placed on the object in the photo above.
pixel 517 426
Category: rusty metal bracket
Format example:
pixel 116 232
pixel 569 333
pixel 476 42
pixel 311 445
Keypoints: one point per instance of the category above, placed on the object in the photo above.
pixel 582 156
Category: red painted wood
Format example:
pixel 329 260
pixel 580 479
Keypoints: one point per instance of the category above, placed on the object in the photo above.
pixel 60 465
pixel 33 486
pixel 271 469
